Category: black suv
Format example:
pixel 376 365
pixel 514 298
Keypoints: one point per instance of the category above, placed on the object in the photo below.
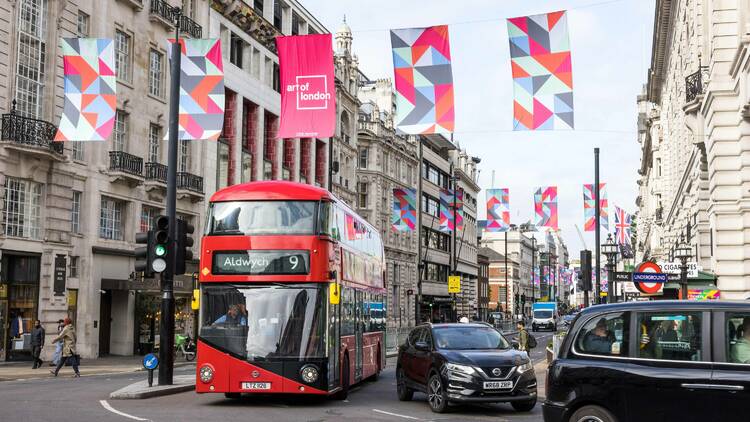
pixel 464 363
pixel 653 361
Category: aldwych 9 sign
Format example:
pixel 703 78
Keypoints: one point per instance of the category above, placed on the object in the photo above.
pixel 261 262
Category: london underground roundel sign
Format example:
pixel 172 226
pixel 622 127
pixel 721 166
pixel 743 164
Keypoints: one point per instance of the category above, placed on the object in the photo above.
pixel 643 273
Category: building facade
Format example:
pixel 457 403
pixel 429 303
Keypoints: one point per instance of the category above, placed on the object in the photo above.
pixel 692 125
pixel 483 286
pixel 386 161
pixel 523 251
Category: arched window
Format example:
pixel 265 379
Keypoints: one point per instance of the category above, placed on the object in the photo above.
pixel 345 126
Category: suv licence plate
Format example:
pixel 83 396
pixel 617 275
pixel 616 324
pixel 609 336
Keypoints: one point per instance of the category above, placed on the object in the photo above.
pixel 256 385
pixel 495 385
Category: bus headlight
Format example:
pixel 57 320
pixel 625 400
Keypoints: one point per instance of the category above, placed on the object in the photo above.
pixel 206 374
pixel 309 373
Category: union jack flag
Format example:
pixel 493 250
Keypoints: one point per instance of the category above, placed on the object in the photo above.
pixel 622 226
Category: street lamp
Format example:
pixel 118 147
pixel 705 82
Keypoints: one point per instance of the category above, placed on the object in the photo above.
pixel 610 250
pixel 683 253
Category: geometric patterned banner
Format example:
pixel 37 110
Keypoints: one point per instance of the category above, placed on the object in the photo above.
pixel 545 206
pixel 201 113
pixel 404 217
pixel 423 79
pixel 542 72
pixel 90 81
pixel 589 207
pixel 622 226
pixel 498 210
pixel 447 205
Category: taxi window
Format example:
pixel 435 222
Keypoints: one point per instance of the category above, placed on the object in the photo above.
pixel 738 337
pixel 670 336
pixel 605 335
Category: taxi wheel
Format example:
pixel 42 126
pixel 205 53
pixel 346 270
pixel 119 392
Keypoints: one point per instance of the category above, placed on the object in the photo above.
pixel 592 414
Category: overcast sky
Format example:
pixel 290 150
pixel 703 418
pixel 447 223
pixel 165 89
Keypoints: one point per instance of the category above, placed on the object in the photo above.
pixel 611 51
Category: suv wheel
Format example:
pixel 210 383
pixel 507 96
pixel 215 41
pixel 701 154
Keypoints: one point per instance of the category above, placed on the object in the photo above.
pixel 436 395
pixel 404 393
pixel 523 406
pixel 592 414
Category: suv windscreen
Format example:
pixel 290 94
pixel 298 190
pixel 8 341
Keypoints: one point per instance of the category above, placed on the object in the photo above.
pixel 465 338
pixel 543 314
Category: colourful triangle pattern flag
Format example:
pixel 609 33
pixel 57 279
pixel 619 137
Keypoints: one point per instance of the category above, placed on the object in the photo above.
pixel 404 217
pixel 498 210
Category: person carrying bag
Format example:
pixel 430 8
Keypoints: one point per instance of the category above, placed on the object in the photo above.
pixel 69 355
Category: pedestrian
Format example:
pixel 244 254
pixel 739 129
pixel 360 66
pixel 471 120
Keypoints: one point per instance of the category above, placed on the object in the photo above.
pixel 69 355
pixel 523 337
pixel 37 342
pixel 58 347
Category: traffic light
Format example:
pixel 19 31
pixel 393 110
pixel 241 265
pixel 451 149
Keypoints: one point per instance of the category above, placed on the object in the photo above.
pixel 184 243
pixel 160 244
pixel 143 255
pixel 586 269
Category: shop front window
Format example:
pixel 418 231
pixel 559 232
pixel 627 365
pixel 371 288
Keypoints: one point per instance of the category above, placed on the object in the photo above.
pixel 21 273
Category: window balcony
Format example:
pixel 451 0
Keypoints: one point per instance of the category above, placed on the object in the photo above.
pixel 161 12
pixel 126 167
pixel 30 135
pixel 191 185
pixel 135 4
pixel 156 176
pixel 695 84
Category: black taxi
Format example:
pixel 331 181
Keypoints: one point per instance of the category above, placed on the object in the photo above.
pixel 653 361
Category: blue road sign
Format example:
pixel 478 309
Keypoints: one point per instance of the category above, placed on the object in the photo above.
pixel 650 277
pixel 150 361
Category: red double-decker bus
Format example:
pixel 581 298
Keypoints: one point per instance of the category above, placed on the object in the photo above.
pixel 292 293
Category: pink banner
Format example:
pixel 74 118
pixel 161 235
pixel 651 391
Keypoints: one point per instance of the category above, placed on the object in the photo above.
pixel 308 96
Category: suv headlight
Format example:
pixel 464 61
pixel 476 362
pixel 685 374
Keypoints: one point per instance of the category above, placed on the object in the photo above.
pixel 463 369
pixel 524 367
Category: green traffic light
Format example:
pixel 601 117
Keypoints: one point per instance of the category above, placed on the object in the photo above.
pixel 160 250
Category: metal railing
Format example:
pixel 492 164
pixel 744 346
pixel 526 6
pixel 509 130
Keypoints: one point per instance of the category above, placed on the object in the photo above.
pixel 28 131
pixel 190 182
pixel 163 9
pixel 157 172
pixel 694 84
pixel 126 163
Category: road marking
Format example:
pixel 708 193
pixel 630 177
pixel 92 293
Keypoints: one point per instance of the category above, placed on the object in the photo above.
pixel 115 411
pixel 395 414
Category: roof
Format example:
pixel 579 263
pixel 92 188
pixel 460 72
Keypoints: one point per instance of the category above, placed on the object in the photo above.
pixel 666 305
pixel 271 190
pixel 493 255
pixel 458 324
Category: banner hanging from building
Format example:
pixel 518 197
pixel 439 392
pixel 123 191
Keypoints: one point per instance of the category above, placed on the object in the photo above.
pixel 308 91
pixel 447 204
pixel 589 207
pixel 545 207
pixel 622 226
pixel 542 72
pixel 90 85
pixel 423 79
pixel 498 210
pixel 201 112
pixel 404 217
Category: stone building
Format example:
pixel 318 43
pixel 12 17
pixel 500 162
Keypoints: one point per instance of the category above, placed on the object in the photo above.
pixel 70 211
pixel 523 256
pixel 387 161
pixel 693 120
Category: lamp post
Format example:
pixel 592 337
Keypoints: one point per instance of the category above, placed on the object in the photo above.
pixel 683 253
pixel 610 250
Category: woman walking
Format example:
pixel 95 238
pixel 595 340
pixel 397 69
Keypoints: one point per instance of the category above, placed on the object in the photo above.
pixel 68 338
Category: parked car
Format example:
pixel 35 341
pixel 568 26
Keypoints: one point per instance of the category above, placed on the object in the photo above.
pixel 464 363
pixel 653 361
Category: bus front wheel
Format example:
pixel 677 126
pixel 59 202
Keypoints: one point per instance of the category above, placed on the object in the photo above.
pixel 344 392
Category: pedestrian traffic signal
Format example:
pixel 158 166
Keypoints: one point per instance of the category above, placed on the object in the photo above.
pixel 160 244
pixel 143 254
pixel 183 252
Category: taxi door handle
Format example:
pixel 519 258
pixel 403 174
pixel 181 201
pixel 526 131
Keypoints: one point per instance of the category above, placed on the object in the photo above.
pixel 713 387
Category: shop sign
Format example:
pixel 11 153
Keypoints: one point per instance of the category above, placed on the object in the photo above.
pixel 674 268
pixel 704 294
pixel 59 275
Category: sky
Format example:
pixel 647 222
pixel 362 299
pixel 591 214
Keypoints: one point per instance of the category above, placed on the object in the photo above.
pixel 611 52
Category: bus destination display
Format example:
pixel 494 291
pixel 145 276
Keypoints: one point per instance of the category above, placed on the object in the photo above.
pixel 261 262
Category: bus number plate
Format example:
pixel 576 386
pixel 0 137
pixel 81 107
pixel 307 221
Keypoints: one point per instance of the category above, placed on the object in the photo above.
pixel 494 385
pixel 256 385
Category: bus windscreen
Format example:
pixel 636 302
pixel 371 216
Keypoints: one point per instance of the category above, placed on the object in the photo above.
pixel 248 218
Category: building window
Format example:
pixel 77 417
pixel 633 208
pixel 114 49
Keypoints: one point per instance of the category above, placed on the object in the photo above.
pixel 73 267
pixel 156 73
pixel 75 213
pixel 277 14
pixel 236 48
pixel 430 205
pixel 362 189
pixel 110 219
pixel 658 167
pixel 32 20
pixel 77 150
pixel 154 137
pixel 83 25
pixel 184 162
pixel 295 23
pixel 363 156
pixel 276 78
pixel 188 8
pixel 121 131
pixel 436 272
pixel 222 170
pixel 258 6
pixel 123 48
pixel 148 214
pixel 22 210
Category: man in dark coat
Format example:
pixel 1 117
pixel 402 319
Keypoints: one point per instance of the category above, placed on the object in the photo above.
pixel 37 342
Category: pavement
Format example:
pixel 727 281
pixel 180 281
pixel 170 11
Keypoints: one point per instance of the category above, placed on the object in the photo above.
pixel 88 399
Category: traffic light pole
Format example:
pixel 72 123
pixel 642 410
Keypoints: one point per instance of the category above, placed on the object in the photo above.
pixel 166 325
